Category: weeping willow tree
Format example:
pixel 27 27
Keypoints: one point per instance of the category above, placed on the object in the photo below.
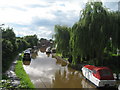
pixel 90 33
pixel 115 31
pixel 90 37
pixel 62 37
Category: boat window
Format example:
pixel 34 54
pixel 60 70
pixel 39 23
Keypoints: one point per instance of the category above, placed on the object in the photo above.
pixel 94 72
pixel 26 55
pixel 105 72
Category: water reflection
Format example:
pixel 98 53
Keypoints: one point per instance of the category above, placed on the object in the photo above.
pixel 86 84
pixel 48 54
pixel 53 56
pixel 43 49
pixel 60 62
pixel 34 55
pixel 48 72
pixel 66 79
pixel 26 62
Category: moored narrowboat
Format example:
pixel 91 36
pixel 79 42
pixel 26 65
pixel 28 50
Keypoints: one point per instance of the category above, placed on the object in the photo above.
pixel 27 56
pixel 99 76
pixel 48 50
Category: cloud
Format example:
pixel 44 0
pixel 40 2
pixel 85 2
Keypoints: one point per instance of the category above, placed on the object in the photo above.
pixel 29 17
pixel 111 5
pixel 37 6
pixel 41 32
pixel 43 22
pixel 110 0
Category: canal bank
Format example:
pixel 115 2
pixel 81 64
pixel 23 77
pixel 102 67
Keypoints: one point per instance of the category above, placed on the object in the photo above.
pixel 24 78
pixel 25 81
pixel 15 76
pixel 76 67
pixel 11 81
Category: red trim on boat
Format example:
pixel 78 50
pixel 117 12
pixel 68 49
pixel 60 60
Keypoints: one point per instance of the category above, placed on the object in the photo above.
pixel 91 67
pixel 102 73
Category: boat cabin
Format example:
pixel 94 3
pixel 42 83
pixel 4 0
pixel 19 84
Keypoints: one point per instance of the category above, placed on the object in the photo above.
pixel 102 73
pixel 100 76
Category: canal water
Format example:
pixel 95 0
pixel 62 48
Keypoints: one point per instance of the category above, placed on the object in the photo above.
pixel 45 71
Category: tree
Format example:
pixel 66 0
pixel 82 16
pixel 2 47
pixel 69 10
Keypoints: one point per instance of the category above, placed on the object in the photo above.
pixel 114 27
pixel 95 34
pixel 62 37
pixel 32 40
pixel 22 44
pixel 7 51
pixel 9 35
pixel 90 34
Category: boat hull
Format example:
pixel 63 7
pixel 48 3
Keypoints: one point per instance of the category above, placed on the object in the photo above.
pixel 87 73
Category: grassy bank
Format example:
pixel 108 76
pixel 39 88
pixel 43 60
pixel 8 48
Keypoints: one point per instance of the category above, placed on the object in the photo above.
pixel 24 78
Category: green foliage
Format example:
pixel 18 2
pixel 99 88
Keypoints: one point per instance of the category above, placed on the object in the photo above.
pixel 62 37
pixel 22 44
pixel 95 34
pixel 6 84
pixel 32 40
pixel 9 35
pixel 12 45
pixel 7 49
pixel 114 27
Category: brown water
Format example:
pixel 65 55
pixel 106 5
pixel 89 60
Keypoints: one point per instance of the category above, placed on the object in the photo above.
pixel 48 72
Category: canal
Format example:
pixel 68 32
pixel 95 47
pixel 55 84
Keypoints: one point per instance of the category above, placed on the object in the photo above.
pixel 45 71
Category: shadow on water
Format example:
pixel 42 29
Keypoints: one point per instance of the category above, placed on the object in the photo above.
pixel 60 62
pixel 34 55
pixel 42 50
pixel 26 62
pixel 48 54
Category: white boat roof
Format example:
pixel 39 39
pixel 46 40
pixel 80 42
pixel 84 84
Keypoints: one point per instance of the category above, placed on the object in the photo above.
pixel 26 51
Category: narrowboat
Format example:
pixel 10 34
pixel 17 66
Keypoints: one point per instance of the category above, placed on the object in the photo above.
pixel 99 76
pixel 48 51
pixel 53 50
pixel 27 56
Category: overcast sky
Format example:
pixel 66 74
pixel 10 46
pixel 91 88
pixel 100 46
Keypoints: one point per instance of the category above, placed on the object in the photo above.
pixel 28 17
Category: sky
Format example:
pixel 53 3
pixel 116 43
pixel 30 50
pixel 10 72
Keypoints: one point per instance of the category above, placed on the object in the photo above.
pixel 29 17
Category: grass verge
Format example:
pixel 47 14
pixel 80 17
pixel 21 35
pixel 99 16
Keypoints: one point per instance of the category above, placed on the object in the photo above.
pixel 24 78
pixel 59 54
